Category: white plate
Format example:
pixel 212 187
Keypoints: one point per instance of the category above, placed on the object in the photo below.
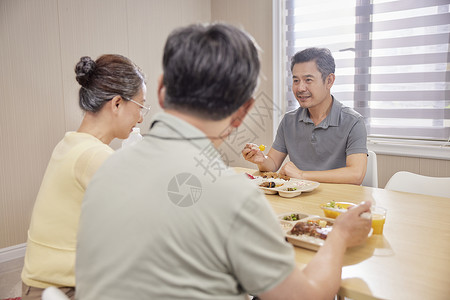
pixel 303 240
pixel 268 191
pixel 289 194
pixel 303 185
pixel 299 184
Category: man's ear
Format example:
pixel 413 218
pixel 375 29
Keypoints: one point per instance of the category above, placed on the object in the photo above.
pixel 330 80
pixel 238 117
pixel 161 90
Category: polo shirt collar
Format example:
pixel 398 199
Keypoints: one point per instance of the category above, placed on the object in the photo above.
pixel 304 116
pixel 168 126
pixel 333 118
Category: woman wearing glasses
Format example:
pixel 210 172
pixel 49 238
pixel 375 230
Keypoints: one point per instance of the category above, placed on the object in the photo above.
pixel 112 96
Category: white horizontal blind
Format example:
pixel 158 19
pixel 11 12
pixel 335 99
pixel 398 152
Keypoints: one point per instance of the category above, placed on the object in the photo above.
pixel 392 60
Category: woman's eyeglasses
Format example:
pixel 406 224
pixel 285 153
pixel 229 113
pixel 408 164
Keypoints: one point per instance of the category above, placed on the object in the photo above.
pixel 144 109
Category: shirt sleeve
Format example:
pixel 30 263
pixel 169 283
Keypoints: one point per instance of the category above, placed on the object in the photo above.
pixel 279 144
pixel 357 138
pixel 89 162
pixel 260 256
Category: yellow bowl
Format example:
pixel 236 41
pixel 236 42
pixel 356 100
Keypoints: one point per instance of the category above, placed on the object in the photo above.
pixel 333 212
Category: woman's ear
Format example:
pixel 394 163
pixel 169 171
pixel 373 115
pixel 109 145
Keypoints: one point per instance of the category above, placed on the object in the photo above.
pixel 115 103
pixel 161 90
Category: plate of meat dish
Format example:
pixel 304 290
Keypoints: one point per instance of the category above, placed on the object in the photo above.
pixel 306 231
pixel 310 232
pixel 274 183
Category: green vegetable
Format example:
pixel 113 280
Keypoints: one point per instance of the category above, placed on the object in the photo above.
pixel 332 204
pixel 292 217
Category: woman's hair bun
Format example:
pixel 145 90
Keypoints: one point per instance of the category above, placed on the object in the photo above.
pixel 84 69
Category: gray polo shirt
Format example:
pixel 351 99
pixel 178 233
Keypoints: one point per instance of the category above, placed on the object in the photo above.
pixel 325 146
pixel 166 219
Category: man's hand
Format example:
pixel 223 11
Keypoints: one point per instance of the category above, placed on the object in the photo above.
pixel 321 277
pixel 291 170
pixel 351 226
pixel 252 153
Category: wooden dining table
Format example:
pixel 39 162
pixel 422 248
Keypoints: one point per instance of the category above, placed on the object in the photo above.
pixel 410 260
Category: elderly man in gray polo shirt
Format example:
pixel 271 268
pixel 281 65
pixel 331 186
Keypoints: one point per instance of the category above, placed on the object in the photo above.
pixel 325 140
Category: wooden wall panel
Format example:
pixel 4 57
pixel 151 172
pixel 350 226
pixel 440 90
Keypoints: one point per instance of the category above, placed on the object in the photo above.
pixel 88 28
pixel 32 111
pixel 150 22
pixel 434 167
pixel 255 17
pixel 40 43
pixel 388 165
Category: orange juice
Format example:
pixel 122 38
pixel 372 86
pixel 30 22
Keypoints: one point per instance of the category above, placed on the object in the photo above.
pixel 378 223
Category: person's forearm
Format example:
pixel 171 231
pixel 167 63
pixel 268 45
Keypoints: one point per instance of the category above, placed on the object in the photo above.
pixel 341 175
pixel 268 165
pixel 329 260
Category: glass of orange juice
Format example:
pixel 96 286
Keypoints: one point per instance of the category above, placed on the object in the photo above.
pixel 378 219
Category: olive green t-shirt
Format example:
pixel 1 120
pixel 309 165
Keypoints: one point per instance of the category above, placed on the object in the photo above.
pixel 166 219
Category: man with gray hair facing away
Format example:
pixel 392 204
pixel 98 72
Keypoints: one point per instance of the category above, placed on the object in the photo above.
pixel 156 224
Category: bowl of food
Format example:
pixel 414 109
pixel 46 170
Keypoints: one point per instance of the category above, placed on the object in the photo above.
pixel 289 192
pixel 333 209
pixel 270 187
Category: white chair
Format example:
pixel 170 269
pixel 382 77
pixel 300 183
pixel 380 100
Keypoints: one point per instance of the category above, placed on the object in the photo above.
pixel 371 178
pixel 419 184
pixel 53 293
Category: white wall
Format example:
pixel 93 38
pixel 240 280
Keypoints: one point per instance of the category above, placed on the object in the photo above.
pixel 40 43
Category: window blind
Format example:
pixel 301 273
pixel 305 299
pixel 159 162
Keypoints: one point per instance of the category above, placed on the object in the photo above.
pixel 392 60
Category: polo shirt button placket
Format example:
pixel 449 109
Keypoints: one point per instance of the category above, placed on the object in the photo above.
pixel 313 137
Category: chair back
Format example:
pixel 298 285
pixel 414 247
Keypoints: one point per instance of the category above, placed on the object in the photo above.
pixel 404 181
pixel 371 178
